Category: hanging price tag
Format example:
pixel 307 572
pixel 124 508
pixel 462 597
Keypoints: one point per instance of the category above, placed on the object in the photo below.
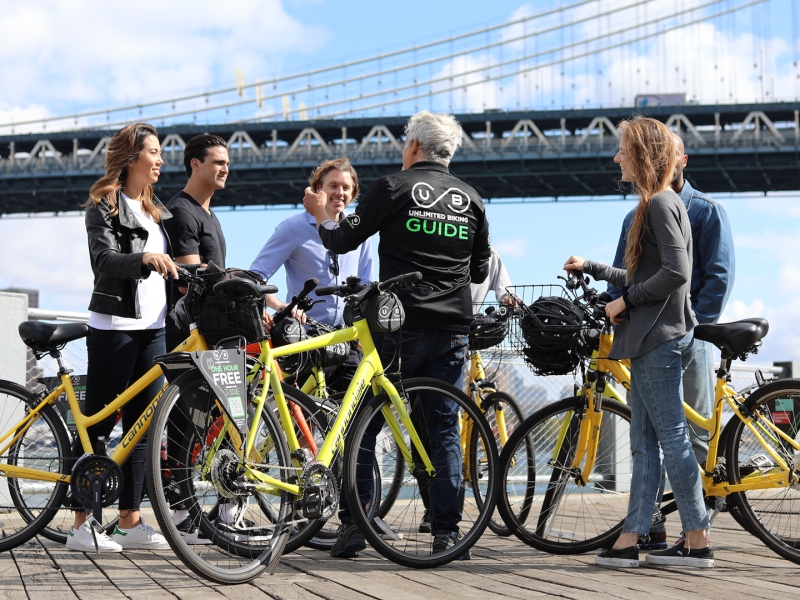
pixel 224 370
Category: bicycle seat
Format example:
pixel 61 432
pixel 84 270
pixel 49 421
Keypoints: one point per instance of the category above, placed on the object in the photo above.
pixel 42 336
pixel 733 337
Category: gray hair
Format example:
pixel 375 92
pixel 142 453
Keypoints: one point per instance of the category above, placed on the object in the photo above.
pixel 439 135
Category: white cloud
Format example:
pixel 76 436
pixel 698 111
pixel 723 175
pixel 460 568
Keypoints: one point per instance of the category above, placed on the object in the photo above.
pixel 98 54
pixel 49 254
pixel 783 339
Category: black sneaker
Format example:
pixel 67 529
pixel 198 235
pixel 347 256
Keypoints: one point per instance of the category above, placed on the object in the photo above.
pixel 445 541
pixel 626 558
pixel 190 533
pixel 653 541
pixel 349 542
pixel 425 524
pixel 679 555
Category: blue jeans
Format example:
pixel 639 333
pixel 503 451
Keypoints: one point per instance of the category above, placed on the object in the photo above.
pixel 658 424
pixel 698 392
pixel 438 354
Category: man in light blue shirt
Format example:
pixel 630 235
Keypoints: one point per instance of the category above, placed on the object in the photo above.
pixel 297 247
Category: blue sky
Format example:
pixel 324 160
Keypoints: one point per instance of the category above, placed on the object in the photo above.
pixel 171 50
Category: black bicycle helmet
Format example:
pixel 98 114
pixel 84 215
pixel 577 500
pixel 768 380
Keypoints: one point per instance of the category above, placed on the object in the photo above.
pixel 488 330
pixel 552 329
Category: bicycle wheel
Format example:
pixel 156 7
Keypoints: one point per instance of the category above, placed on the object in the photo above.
pixel 195 469
pixel 498 407
pixel 453 507
pixel 28 505
pixel 772 514
pixel 549 508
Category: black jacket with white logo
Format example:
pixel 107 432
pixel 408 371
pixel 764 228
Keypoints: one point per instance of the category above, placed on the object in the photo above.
pixel 431 222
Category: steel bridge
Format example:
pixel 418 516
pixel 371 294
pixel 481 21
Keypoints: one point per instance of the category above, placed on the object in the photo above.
pixel 735 148
pixel 739 138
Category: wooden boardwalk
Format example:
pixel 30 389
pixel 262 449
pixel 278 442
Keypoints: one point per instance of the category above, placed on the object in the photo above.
pixel 500 568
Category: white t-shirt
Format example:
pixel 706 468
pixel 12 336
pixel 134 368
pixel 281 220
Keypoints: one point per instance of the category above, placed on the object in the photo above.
pixel 152 291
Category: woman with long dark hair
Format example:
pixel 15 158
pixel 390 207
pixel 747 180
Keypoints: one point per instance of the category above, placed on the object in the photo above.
pixel 127 242
pixel 657 337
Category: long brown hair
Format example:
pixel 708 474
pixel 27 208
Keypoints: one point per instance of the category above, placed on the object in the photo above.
pixel 123 149
pixel 652 150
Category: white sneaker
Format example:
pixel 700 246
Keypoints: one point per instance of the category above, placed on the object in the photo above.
pixel 81 540
pixel 141 537
pixel 189 532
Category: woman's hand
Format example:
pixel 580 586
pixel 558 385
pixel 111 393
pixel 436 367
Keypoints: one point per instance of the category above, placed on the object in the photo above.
pixel 574 264
pixel 162 264
pixel 613 309
pixel 266 319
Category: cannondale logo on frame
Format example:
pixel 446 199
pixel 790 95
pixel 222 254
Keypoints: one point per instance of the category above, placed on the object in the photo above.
pixel 455 199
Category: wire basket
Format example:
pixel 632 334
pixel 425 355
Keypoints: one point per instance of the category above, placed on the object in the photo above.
pixel 550 331
pixel 490 329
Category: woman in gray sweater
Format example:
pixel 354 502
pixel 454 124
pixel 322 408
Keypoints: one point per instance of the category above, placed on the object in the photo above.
pixel 658 339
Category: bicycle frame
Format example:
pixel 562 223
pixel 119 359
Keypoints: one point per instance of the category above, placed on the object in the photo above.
pixel 82 422
pixel 369 372
pixel 596 387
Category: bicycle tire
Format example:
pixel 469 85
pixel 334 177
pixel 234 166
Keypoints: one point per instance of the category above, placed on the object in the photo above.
pixel 513 416
pixel 45 445
pixel 773 514
pixel 233 558
pixel 558 515
pixel 405 544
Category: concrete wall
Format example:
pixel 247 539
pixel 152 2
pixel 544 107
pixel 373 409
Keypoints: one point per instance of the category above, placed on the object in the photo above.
pixel 13 355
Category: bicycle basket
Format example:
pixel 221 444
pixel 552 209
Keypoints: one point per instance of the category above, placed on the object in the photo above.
pixel 487 331
pixel 551 329
pixel 218 318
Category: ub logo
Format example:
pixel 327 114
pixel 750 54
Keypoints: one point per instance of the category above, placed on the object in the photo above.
pixel 456 200
pixel 220 355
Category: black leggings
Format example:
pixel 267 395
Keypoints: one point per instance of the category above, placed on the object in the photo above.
pixel 116 360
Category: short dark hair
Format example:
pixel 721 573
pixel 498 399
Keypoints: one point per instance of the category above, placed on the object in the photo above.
pixel 197 147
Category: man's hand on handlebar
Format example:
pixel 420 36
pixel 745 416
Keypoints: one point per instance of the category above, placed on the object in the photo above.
pixel 614 310
pixel 573 264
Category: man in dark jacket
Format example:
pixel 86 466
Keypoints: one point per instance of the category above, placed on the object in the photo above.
pixel 713 269
pixel 434 223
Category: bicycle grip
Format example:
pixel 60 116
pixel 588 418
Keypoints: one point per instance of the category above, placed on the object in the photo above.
pixel 327 290
pixel 401 279
pixel 308 286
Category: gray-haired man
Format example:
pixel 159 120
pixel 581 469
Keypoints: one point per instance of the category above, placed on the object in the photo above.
pixel 432 222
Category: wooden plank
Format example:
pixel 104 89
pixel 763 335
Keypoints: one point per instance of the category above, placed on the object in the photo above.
pixel 11 586
pixel 41 577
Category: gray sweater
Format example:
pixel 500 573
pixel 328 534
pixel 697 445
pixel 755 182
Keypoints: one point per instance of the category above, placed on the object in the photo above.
pixel 659 290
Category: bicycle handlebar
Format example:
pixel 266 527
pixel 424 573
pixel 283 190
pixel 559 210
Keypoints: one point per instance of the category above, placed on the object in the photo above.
pixel 356 292
pixel 308 287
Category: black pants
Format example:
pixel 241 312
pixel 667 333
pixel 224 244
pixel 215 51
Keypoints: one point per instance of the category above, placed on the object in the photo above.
pixel 338 378
pixel 116 360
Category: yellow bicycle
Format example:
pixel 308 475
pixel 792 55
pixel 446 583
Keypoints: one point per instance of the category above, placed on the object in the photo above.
pixel 581 471
pixel 238 450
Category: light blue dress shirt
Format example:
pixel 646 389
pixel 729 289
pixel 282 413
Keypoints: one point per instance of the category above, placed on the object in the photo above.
pixel 296 246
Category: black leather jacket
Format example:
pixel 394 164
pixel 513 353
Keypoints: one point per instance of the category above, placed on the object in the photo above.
pixel 116 246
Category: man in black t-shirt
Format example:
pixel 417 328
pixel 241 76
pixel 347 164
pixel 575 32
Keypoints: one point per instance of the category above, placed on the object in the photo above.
pixel 432 222
pixel 194 230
